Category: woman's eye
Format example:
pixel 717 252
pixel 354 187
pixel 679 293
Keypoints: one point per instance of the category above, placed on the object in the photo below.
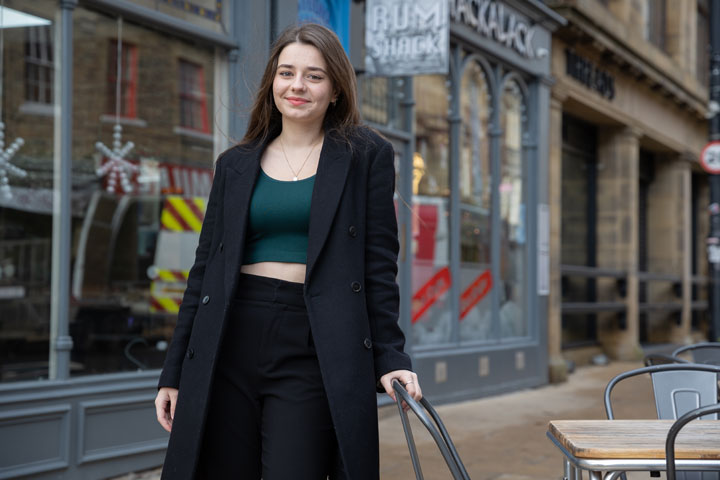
pixel 285 73
pixel 315 77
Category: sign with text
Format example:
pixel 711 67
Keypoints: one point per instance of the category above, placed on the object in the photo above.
pixel 589 74
pixel 407 37
pixel 710 158
pixel 498 22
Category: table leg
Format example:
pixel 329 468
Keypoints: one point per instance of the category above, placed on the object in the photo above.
pixel 595 475
pixel 567 470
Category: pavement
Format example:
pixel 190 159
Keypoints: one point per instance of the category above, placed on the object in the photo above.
pixel 503 437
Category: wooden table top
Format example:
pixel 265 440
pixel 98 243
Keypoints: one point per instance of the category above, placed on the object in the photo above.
pixel 636 439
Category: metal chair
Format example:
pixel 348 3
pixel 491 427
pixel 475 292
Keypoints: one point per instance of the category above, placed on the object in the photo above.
pixel 675 429
pixel 705 352
pixel 661 359
pixel 678 388
pixel 438 433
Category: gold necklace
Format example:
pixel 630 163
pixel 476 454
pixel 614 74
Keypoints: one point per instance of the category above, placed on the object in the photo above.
pixel 295 175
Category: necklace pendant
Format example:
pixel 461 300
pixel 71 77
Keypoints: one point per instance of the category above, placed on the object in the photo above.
pixel 294 179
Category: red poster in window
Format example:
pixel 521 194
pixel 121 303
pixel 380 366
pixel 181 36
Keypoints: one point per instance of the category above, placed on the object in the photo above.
pixel 430 293
pixel 425 221
pixel 187 181
pixel 475 292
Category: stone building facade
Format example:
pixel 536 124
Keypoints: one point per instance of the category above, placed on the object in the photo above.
pixel 628 196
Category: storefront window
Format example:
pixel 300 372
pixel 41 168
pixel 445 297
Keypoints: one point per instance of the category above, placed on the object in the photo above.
pixel 26 187
pixel 475 206
pixel 431 278
pixel 380 100
pixel 513 204
pixel 136 233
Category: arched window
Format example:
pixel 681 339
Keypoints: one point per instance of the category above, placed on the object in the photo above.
pixel 431 279
pixel 475 205
pixel 513 212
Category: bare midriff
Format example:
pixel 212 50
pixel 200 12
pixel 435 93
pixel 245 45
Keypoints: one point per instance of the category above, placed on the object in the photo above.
pixel 290 272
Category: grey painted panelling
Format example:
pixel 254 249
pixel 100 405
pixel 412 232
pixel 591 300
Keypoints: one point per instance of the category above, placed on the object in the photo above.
pixel 35 440
pixel 457 375
pixel 80 428
pixel 112 428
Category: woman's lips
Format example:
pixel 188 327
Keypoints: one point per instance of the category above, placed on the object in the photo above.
pixel 297 101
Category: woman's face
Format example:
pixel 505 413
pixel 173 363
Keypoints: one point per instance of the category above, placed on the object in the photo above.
pixel 302 88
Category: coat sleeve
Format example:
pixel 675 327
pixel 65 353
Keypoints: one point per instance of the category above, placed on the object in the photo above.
pixel 170 376
pixel 381 253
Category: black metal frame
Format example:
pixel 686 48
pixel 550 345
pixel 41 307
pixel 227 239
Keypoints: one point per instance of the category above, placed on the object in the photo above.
pixel 675 429
pixel 437 431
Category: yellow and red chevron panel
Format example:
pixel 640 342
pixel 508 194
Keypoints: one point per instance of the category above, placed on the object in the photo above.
pixel 170 276
pixel 183 214
pixel 162 304
pixel 166 290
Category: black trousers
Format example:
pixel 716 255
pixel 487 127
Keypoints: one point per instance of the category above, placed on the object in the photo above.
pixel 268 414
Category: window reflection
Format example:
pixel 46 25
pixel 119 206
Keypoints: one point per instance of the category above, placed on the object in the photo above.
pixel 26 196
pixel 475 206
pixel 512 195
pixel 431 315
pixel 134 246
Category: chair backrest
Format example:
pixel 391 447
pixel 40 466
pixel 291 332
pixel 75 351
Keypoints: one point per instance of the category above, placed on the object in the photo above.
pixel 436 430
pixel 706 352
pixel 678 388
pixel 675 429
pixel 679 391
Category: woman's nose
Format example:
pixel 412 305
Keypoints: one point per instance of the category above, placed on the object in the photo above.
pixel 298 83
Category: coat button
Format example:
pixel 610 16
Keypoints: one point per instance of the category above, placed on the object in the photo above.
pixel 191 352
pixel 352 231
pixel 368 343
pixel 206 300
pixel 221 247
pixel 356 287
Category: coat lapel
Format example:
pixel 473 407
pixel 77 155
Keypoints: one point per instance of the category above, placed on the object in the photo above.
pixel 333 168
pixel 241 173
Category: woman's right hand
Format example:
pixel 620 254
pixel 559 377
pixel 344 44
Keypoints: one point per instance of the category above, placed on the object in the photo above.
pixel 165 406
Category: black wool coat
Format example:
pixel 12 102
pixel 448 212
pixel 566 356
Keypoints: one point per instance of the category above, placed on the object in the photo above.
pixel 350 292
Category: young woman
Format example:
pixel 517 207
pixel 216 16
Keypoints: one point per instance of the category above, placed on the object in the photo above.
pixel 288 326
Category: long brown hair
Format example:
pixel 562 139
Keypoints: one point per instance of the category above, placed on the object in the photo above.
pixel 341 117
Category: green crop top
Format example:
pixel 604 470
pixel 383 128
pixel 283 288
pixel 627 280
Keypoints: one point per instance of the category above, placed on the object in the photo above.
pixel 279 220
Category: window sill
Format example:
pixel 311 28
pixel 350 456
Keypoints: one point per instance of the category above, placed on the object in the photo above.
pixel 37 108
pixel 195 134
pixel 134 122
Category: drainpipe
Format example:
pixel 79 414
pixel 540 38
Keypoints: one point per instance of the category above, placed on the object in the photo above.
pixel 714 134
pixel 60 341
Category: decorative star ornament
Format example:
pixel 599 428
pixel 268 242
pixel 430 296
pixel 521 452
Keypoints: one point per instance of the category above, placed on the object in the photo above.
pixel 5 166
pixel 117 168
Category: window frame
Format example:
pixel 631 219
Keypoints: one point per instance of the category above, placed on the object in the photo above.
pixel 46 64
pixel 129 83
pixel 197 99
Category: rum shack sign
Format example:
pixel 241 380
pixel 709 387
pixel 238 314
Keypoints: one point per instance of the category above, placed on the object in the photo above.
pixel 497 22
pixel 406 37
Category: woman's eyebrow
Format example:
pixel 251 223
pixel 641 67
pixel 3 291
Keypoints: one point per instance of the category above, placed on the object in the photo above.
pixel 312 69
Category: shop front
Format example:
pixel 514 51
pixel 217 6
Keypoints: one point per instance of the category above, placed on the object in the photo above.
pixel 122 107
pixel 472 204
pixel 113 113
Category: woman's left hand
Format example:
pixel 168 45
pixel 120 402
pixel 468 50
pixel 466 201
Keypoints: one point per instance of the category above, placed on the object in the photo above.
pixel 407 378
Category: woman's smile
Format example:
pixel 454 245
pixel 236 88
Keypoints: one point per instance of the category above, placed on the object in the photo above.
pixel 297 101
